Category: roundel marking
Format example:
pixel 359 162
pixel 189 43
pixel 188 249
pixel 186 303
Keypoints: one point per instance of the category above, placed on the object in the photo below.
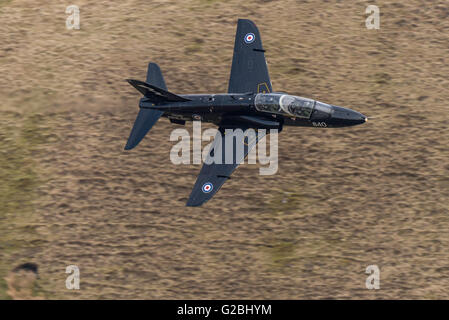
pixel 249 38
pixel 207 187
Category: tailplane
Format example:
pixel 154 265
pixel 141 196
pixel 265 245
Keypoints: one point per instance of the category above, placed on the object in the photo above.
pixel 146 118
pixel 155 90
pixel 155 94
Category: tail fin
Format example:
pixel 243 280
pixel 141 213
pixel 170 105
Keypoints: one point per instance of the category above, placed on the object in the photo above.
pixel 146 118
pixel 154 76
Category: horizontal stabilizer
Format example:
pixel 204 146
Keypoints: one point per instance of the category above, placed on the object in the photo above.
pixel 154 93
pixel 146 118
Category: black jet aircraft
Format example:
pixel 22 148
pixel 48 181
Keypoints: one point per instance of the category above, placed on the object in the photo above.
pixel 249 103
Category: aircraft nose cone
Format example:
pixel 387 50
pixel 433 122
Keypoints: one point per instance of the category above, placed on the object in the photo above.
pixel 347 117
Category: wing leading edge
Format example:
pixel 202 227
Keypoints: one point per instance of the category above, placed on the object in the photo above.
pixel 249 72
pixel 213 175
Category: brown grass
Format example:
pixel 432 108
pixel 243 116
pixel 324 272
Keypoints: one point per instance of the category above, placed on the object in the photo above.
pixel 343 199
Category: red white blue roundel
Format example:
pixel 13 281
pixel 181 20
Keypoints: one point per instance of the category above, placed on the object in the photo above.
pixel 249 38
pixel 207 187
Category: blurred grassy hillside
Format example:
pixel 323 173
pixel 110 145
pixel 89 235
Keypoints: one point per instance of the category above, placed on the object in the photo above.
pixel 342 199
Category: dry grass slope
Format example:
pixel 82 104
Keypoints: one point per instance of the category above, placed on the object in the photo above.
pixel 342 199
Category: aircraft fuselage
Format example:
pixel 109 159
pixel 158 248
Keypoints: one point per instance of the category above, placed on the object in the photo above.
pixel 243 108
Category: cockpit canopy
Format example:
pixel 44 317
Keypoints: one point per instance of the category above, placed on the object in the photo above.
pixel 284 104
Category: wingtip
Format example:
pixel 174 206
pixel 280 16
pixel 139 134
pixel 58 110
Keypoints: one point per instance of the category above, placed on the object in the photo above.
pixel 133 82
pixel 128 147
pixel 193 203
pixel 242 20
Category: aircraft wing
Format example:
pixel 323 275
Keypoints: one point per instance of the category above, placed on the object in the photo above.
pixel 213 175
pixel 249 72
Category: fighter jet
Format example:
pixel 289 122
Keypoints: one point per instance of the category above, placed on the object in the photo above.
pixel 249 103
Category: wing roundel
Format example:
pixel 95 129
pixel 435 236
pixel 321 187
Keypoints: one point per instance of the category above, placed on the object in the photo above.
pixel 249 72
pixel 225 155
